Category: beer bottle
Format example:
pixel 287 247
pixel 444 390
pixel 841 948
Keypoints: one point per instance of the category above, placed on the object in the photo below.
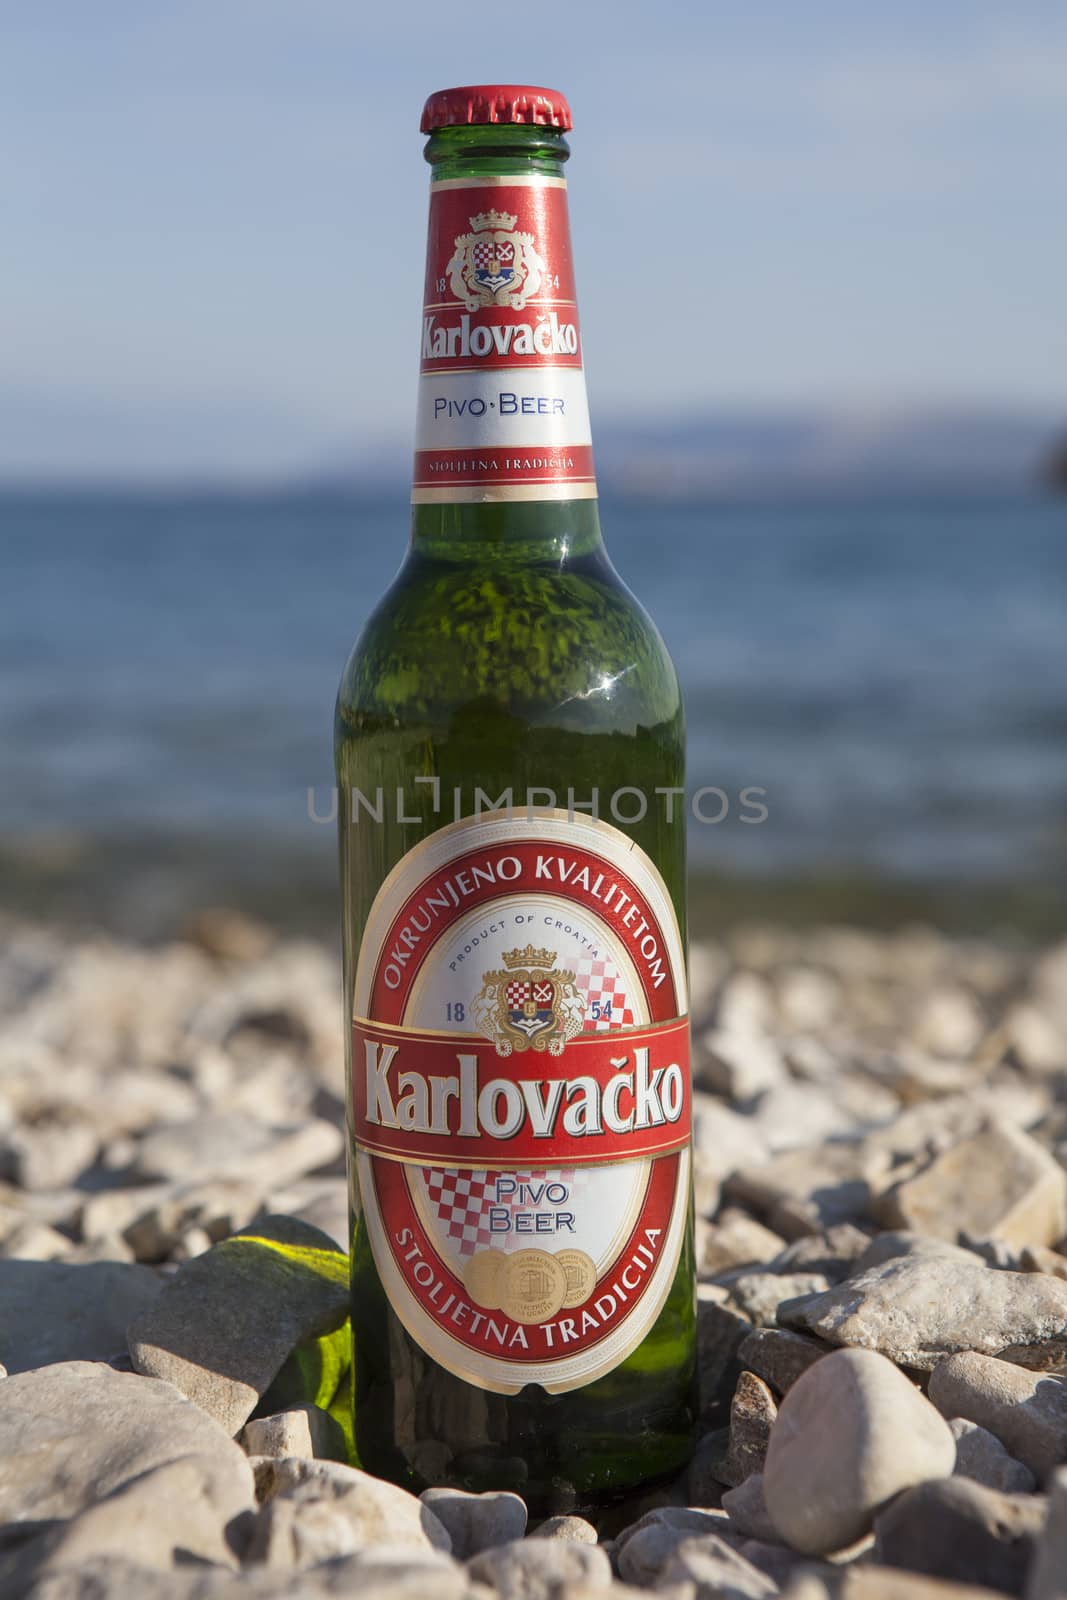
pixel 510 762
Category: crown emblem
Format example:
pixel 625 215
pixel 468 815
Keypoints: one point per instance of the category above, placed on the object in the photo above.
pixel 528 1004
pixel 493 219
pixel 493 265
pixel 528 958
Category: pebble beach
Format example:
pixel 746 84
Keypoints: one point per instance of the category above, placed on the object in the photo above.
pixel 880 1134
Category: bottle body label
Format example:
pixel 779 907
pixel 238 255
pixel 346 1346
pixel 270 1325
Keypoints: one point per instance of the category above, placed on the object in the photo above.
pixel 521 1099
pixel 502 411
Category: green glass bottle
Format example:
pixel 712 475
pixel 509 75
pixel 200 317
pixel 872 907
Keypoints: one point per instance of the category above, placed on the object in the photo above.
pixel 510 763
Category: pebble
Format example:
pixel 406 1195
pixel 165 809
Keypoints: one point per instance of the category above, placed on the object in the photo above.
pixel 54 1311
pixel 714 1570
pixel 476 1522
pixel 237 1147
pixel 1048 1574
pixel 224 1325
pixel 833 1252
pixel 529 1569
pixel 576 1529
pixel 189 1510
pixel 959 1530
pixel 759 1294
pixel 320 1510
pixel 737 1240
pixel 1027 1411
pixel 746 1506
pixel 302 1430
pixel 999 1184
pixel 981 1456
pixel 739 1066
pixel 719 1335
pixel 808 1190
pixel 858 1429
pixel 920 1307
pixel 752 1415
pixel 779 1356
pixel 74 1432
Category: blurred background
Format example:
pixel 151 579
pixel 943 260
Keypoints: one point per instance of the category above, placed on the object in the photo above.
pixel 821 256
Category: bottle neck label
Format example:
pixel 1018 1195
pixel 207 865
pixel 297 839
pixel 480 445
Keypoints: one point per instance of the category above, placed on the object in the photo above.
pixel 502 411
pixel 521 1101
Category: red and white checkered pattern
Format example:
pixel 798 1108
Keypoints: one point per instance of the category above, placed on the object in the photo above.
pixel 516 994
pixel 600 983
pixel 487 250
pixel 461 1200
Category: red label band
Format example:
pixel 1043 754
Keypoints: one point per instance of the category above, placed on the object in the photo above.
pixel 436 467
pixel 451 1100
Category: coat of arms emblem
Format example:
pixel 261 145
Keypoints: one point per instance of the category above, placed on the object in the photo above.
pixel 493 265
pixel 529 1005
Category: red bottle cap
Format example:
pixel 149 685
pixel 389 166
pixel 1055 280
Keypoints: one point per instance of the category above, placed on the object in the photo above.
pixel 496 102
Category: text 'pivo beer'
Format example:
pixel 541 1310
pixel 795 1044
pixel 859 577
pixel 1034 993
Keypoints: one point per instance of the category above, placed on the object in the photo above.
pixel 519 1088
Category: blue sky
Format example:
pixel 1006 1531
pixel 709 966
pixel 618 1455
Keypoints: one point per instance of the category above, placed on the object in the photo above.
pixel 214 213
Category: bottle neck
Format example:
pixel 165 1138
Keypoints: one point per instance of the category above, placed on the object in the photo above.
pixel 503 460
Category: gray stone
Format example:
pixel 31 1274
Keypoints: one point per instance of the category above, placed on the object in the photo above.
pixel 715 1571
pixel 811 1189
pixel 752 1414
pixel 759 1294
pixel 575 1529
pixel 302 1430
pixel 705 1477
pixel 916 1309
pixel 321 1510
pixel 737 1065
pixel 477 1522
pixel 50 1154
pixel 719 1335
pixel 54 1311
pixel 643 1549
pixel 898 1243
pixel 958 1530
pixel 236 1146
pixel 851 1433
pixel 1048 1574
pixel 735 1239
pixel 778 1356
pixel 539 1569
pixel 73 1433
pixel 182 1511
pixel 321 1201
pixel 224 1325
pixel 981 1456
pixel 746 1507
pixel 1026 1410
pixel 999 1184
pixel 833 1252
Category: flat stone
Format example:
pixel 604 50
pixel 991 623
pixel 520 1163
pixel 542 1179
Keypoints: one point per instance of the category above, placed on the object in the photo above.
pixel 916 1309
pixel 719 1335
pixel 851 1433
pixel 961 1531
pixel 739 1066
pixel 74 1433
pixel 575 1529
pixel 813 1188
pixel 715 1571
pixel 190 1509
pixel 303 1430
pixel 225 1324
pixel 832 1252
pixel 779 1356
pixel 981 1456
pixel 999 1184
pixel 1048 1575
pixel 759 1294
pixel 1026 1410
pixel 752 1414
pixel 321 1510
pixel 54 1311
pixel 735 1239
pixel 477 1522
pixel 235 1146
pixel 746 1507
pixel 539 1569
pixel 643 1549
